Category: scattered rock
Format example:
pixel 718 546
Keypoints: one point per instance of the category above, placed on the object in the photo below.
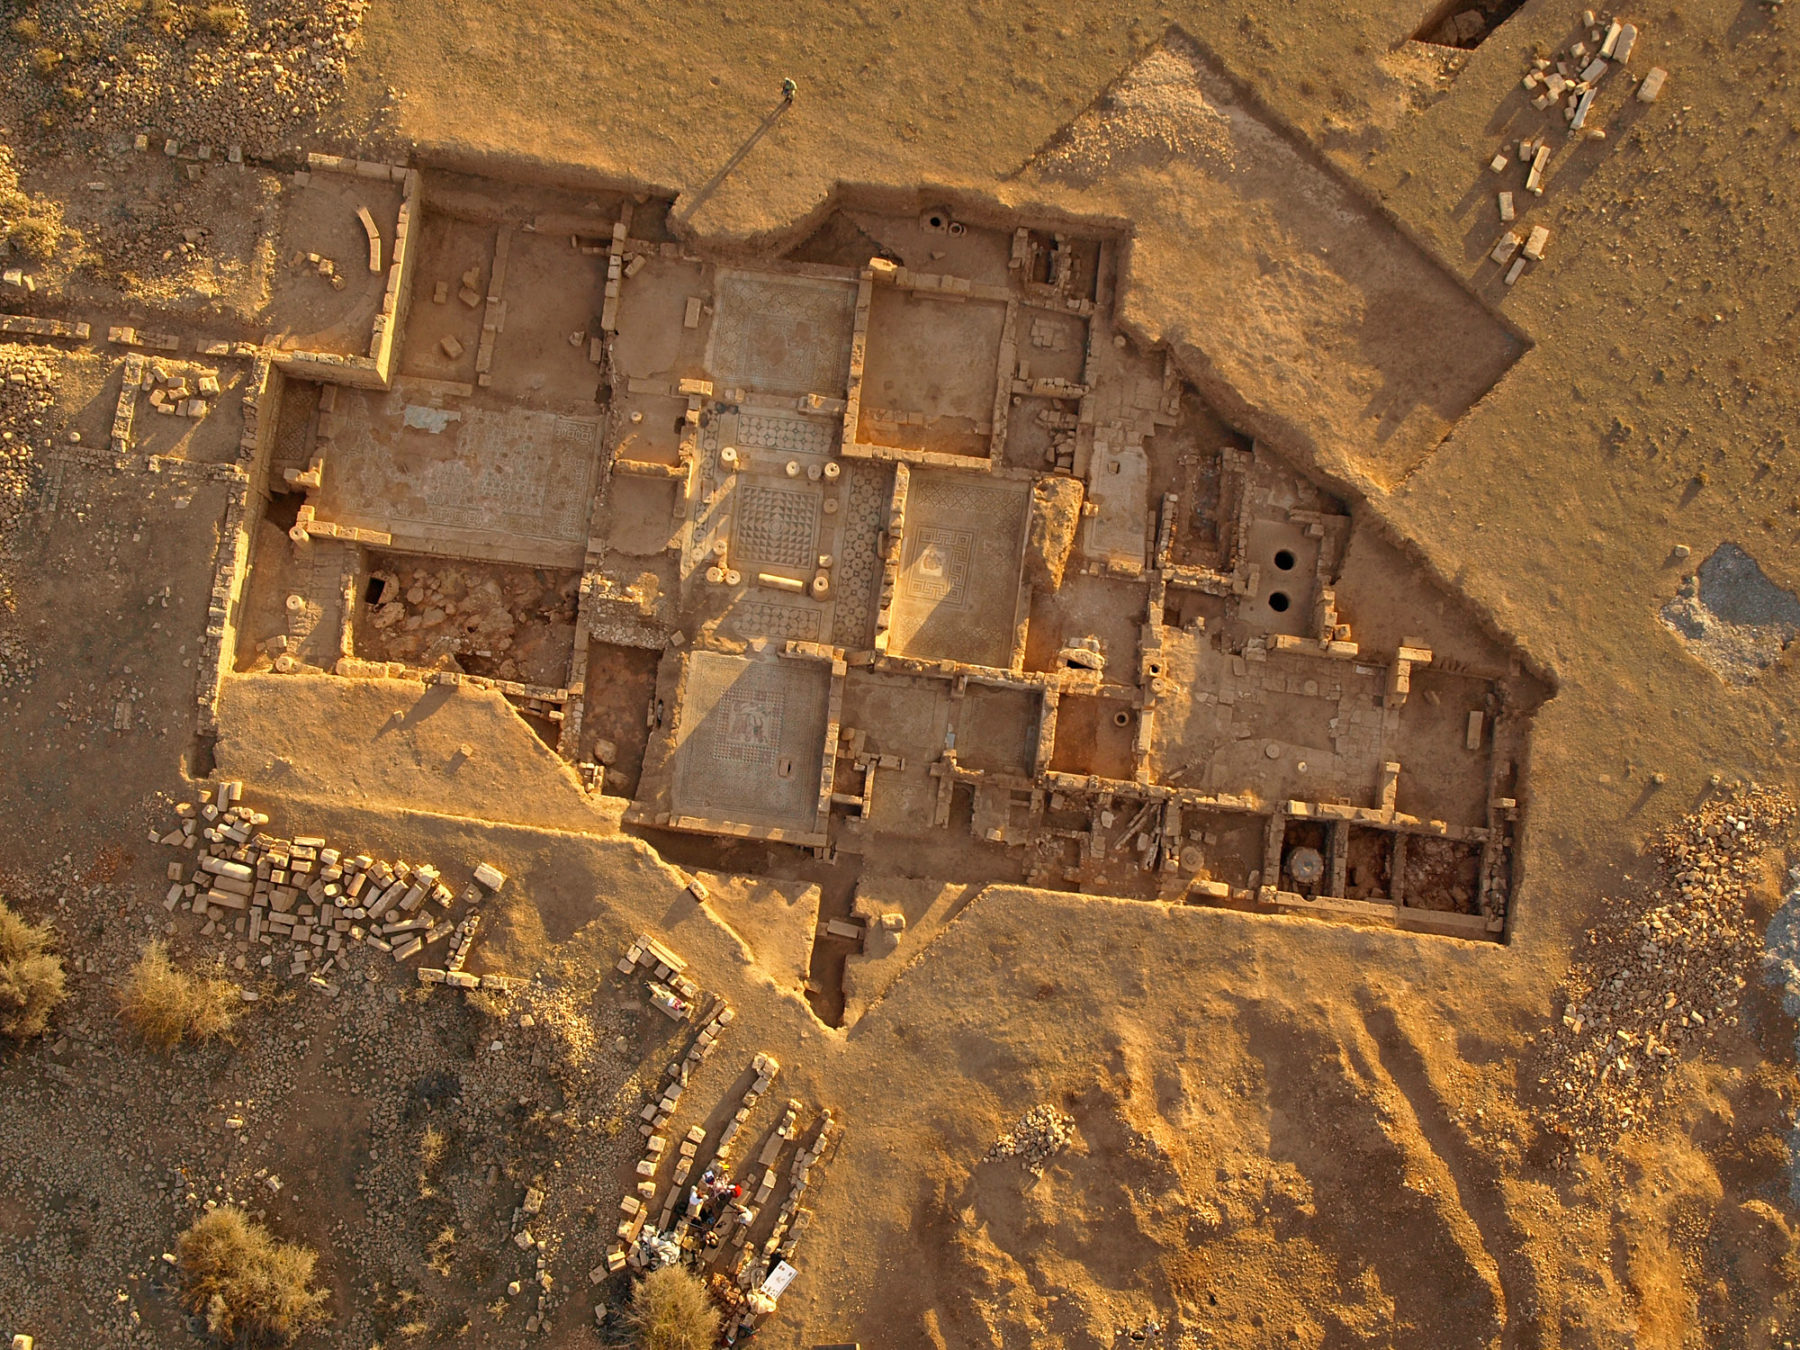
pixel 1663 971
pixel 1040 1135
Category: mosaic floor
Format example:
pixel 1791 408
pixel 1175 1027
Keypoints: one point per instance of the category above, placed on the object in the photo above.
pixel 750 741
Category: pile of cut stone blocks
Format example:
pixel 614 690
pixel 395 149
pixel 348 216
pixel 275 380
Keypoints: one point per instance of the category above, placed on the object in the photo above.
pixel 307 899
pixel 670 990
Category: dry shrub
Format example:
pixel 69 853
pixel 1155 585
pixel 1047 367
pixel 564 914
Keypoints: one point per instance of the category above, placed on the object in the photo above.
pixel 671 1310
pixel 221 20
pixel 167 1006
pixel 36 232
pixel 31 976
pixel 251 1287
pixel 32 225
pixel 433 1144
pixel 441 1251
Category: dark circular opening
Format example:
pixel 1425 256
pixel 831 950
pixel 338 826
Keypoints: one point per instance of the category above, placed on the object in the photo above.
pixel 1279 602
pixel 937 222
pixel 1121 719
pixel 1285 560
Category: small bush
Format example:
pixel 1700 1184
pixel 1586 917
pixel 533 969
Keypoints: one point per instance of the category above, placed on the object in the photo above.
pixel 221 20
pixel 167 1006
pixel 27 29
pixel 671 1310
pixel 45 60
pixel 250 1287
pixel 31 976
pixel 37 230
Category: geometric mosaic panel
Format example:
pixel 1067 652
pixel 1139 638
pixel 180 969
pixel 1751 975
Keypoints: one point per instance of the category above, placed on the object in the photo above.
pixel 936 566
pixel 775 526
pixel 789 435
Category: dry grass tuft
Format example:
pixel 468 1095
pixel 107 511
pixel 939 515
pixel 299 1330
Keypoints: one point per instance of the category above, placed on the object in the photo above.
pixel 432 1145
pixel 31 976
pixel 250 1287
pixel 671 1310
pixel 167 1006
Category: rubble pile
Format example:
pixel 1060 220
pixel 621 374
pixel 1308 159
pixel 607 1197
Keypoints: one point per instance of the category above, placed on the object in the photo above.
pixel 1040 1135
pixel 488 625
pixel 326 268
pixel 306 901
pixel 1568 81
pixel 27 385
pixel 177 391
pixel 240 73
pixel 1662 972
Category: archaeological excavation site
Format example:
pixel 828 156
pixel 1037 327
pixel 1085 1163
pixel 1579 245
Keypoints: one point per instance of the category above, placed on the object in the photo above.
pixel 892 547
pixel 981 680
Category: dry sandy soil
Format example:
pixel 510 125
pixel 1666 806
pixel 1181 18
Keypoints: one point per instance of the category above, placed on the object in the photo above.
pixel 1286 1132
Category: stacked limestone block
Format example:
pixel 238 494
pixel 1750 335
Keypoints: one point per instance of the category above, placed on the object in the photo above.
pixel 305 901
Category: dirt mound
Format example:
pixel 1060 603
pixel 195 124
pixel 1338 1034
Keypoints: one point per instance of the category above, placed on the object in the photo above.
pixel 1154 114
pixel 1055 514
pixel 1210 1206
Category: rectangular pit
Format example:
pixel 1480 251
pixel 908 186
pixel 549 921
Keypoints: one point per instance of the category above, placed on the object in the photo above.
pixel 500 622
pixel 781 334
pixel 997 731
pixel 307 310
pixel 618 693
pixel 1094 736
pixel 464 478
pixel 747 748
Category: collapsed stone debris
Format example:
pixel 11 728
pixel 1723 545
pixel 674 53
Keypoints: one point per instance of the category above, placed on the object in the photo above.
pixel 1664 970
